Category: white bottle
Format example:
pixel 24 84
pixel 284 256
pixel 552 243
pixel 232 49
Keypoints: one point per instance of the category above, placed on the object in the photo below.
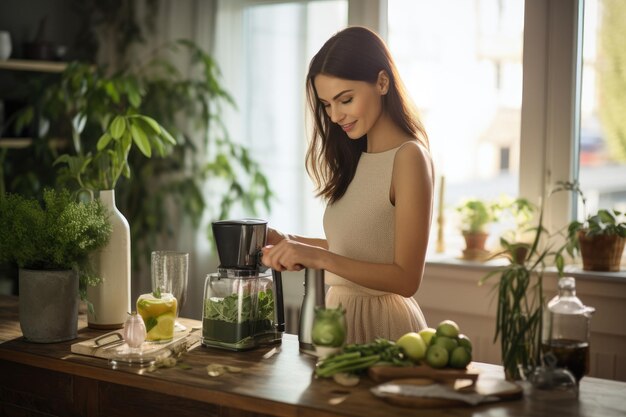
pixel 111 298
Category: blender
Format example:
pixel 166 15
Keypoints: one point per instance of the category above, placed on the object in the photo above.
pixel 243 303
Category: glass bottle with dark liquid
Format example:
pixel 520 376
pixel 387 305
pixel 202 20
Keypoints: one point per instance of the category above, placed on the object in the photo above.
pixel 565 338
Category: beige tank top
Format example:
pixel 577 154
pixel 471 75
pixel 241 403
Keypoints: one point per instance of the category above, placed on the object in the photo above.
pixel 360 225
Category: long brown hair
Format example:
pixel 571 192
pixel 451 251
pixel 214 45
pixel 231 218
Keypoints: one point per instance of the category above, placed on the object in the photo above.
pixel 357 54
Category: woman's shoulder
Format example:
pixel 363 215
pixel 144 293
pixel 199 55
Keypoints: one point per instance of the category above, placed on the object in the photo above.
pixel 413 151
pixel 413 161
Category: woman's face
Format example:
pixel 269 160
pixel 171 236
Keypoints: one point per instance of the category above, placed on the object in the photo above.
pixel 354 105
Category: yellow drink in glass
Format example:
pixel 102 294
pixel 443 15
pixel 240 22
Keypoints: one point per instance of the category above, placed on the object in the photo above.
pixel 159 315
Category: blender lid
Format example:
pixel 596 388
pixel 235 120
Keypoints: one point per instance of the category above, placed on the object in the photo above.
pixel 244 222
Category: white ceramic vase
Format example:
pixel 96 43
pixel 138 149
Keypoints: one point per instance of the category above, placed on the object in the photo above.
pixel 111 298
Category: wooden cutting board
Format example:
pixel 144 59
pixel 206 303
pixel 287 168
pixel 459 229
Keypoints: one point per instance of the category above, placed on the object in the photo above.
pixel 467 381
pixel 111 346
pixel 448 375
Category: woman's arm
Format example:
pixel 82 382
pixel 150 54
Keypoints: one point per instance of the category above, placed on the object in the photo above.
pixel 274 237
pixel 412 193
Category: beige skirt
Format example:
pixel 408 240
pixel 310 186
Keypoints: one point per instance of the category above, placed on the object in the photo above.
pixel 369 316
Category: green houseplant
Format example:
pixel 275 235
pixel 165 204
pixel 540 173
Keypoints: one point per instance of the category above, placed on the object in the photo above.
pixel 519 212
pixel 476 214
pixel 55 237
pixel 519 290
pixel 599 239
pixel 155 167
pixel 519 293
pixel 95 106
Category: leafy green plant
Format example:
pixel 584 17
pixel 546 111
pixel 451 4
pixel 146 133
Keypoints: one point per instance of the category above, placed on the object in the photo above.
pixel 476 214
pixel 95 106
pixel 111 120
pixel 605 222
pixel 520 211
pixel 519 293
pixel 58 234
pixel 599 238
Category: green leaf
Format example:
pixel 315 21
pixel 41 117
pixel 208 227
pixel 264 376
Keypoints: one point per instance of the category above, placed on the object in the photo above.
pixel 150 323
pixel 167 136
pixel 104 141
pixel 118 126
pixel 152 123
pixel 134 98
pixel 141 140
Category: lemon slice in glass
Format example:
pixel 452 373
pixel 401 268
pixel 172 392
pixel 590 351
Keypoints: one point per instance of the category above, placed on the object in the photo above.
pixel 164 329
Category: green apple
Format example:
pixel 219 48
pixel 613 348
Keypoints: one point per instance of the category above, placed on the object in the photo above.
pixel 448 328
pixel 465 342
pixel 427 334
pixel 437 356
pixel 413 346
pixel 448 343
pixel 460 357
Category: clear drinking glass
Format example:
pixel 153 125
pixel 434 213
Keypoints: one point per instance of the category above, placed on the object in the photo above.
pixel 169 275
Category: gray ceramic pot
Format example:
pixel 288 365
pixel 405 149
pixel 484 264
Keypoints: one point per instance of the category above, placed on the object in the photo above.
pixel 48 305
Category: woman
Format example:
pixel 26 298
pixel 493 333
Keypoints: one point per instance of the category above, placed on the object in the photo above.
pixel 369 157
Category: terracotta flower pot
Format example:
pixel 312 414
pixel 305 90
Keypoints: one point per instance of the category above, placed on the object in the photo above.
pixel 601 252
pixel 475 246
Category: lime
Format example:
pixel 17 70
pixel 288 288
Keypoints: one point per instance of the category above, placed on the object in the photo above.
pixel 447 342
pixel 465 342
pixel 164 329
pixel 448 328
pixel 460 357
pixel 437 356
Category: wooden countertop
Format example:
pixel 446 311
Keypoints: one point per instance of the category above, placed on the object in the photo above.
pixel 274 381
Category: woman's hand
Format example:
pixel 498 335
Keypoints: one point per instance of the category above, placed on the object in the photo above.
pixel 289 255
pixel 274 236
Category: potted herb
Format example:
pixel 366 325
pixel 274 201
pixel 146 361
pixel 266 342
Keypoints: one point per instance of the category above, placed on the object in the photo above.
pixel 475 215
pixel 599 238
pixel 51 243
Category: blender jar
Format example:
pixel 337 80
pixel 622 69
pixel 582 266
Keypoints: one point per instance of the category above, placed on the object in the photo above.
pixel 238 310
pixel 265 320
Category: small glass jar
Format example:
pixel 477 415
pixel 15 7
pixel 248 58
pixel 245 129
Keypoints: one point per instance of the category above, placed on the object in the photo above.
pixel 329 330
pixel 159 315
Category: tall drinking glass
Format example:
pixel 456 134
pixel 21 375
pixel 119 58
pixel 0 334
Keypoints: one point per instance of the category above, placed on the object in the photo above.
pixel 169 275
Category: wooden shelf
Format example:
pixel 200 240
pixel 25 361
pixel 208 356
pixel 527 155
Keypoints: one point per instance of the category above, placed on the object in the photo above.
pixel 33 65
pixel 15 143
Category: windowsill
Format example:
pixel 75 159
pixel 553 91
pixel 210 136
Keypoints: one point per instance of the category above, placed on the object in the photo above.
pixel 450 261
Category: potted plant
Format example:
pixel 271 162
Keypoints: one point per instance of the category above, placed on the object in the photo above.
pixel 105 108
pixel 599 239
pixel 475 215
pixel 519 212
pixel 520 292
pixel 51 243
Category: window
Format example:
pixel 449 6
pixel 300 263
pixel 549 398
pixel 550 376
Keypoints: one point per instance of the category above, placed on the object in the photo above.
pixel 462 63
pixel 602 139
pixel 274 44
pixel 501 118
